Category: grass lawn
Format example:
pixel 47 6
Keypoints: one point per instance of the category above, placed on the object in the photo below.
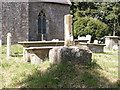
pixel 101 73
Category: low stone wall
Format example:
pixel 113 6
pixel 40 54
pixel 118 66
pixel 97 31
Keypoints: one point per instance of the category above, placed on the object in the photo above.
pixel 73 55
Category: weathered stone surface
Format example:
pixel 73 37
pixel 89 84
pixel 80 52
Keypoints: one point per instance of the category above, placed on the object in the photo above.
pixel 54 55
pixel 15 21
pixel 73 55
pixel 37 58
pixel 68 32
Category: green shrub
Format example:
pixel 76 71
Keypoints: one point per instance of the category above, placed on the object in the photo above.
pixel 89 25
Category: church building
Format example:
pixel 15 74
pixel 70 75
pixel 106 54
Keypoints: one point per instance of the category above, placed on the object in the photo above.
pixel 33 20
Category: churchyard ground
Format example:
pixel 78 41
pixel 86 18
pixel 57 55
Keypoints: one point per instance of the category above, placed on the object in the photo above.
pixel 101 73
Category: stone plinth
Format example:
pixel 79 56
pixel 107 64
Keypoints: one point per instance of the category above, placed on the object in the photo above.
pixel 73 55
pixel 111 41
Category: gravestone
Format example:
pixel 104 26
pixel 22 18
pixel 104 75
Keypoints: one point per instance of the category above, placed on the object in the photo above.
pixel 81 38
pixel 68 30
pixel 89 38
pixel 0 43
pixel 95 42
pixel 8 44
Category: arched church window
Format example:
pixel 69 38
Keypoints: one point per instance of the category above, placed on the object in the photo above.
pixel 41 23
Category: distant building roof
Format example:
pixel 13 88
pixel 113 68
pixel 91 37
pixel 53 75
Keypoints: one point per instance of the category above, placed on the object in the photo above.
pixel 52 1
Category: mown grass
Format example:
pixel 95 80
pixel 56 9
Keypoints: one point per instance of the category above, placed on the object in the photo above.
pixel 16 49
pixel 101 73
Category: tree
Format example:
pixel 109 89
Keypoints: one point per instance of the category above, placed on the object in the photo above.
pixel 89 25
pixel 107 12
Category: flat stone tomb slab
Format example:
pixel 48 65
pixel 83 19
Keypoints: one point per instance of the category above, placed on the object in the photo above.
pixel 41 43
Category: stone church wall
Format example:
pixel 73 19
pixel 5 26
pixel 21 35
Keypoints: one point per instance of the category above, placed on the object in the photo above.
pixel 21 20
pixel 0 21
pixel 15 21
pixel 55 20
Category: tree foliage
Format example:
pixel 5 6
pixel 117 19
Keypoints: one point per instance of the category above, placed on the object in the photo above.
pixel 89 25
pixel 107 12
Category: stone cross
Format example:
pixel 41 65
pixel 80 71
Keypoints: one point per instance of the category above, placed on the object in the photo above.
pixel 68 31
pixel 8 44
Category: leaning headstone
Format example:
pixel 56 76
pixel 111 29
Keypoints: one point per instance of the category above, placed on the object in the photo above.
pixel 73 55
pixel 68 30
pixel 88 37
pixel 8 44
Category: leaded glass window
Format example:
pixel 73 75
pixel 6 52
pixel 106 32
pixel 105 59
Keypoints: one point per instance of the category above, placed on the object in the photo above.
pixel 41 23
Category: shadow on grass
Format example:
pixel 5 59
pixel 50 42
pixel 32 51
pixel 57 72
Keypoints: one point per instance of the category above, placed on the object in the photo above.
pixel 66 75
pixel 17 55
pixel 108 53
